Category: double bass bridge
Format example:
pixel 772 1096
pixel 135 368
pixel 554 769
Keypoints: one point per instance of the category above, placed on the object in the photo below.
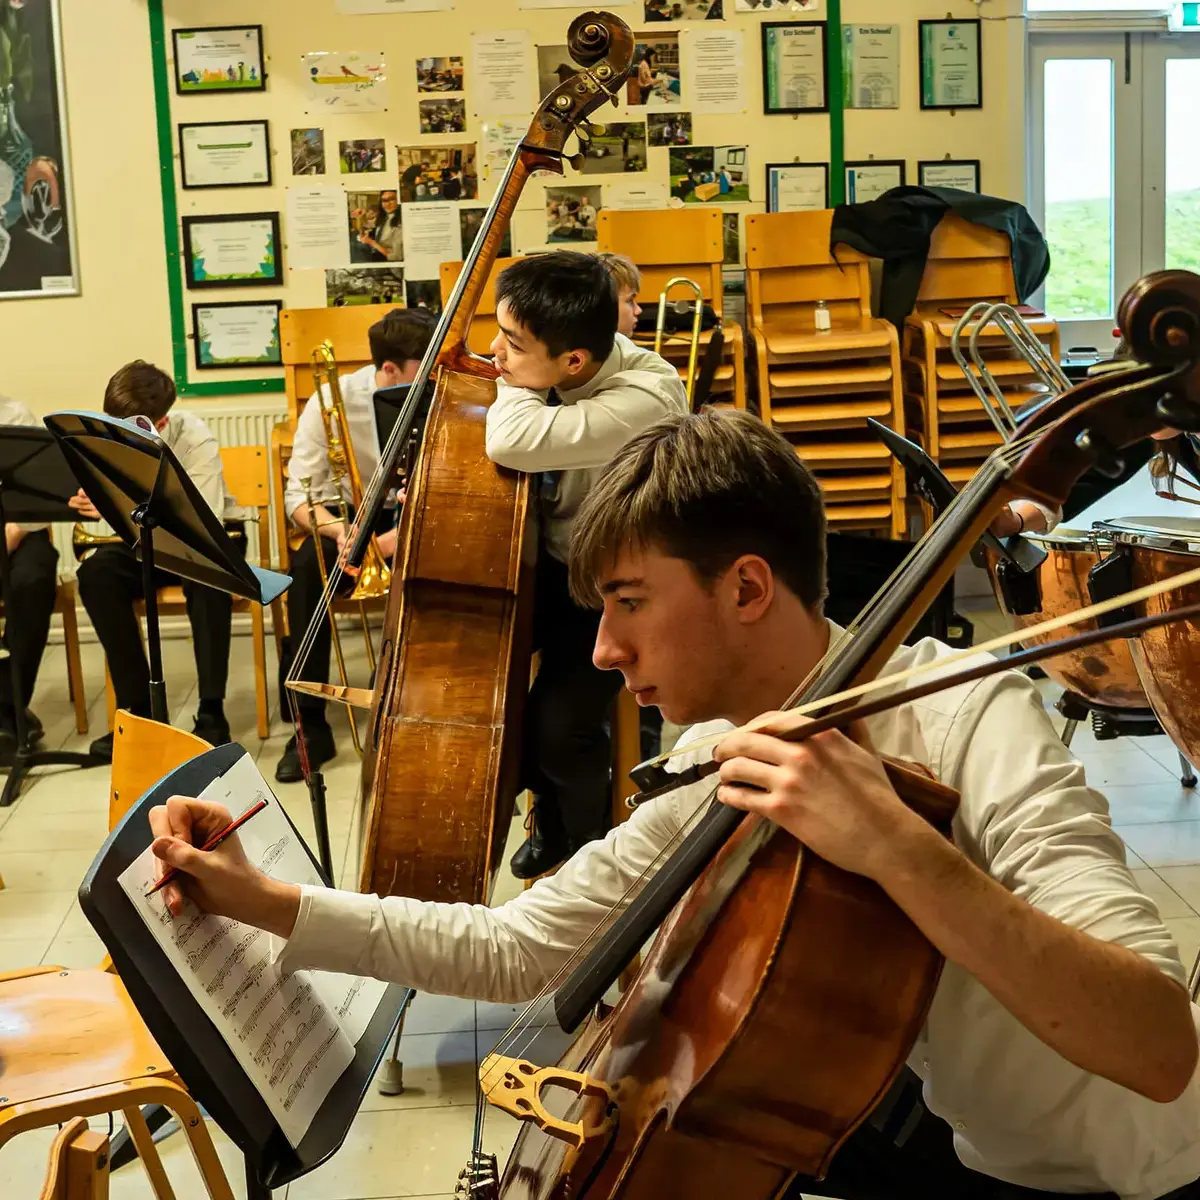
pixel 515 1085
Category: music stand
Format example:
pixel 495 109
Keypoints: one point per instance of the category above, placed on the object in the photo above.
pixel 179 1025
pixel 135 481
pixel 35 483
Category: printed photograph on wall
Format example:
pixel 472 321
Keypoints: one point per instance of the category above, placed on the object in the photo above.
pixel 224 59
pixel 571 213
pixel 345 286
pixel 37 243
pixel 683 10
pixel 442 116
pixel 654 80
pixel 669 129
pixel 709 174
pixel 554 66
pixel 437 172
pixel 308 152
pixel 362 154
pixel 797 6
pixel 440 74
pixel 423 293
pixel 621 147
pixel 471 219
pixel 373 220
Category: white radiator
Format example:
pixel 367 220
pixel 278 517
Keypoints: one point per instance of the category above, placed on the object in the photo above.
pixel 245 423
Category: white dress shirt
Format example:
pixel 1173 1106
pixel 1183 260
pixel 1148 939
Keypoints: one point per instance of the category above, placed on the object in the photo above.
pixel 633 389
pixel 13 412
pixel 199 454
pixel 310 454
pixel 1020 1112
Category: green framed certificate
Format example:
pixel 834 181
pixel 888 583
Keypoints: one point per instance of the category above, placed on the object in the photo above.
pixel 237 334
pixel 871 66
pixel 224 154
pixel 793 60
pixel 232 250
pixel 220 58
pixel 951 64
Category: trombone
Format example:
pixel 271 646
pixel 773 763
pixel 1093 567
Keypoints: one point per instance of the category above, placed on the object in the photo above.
pixel 374 577
pixel 680 307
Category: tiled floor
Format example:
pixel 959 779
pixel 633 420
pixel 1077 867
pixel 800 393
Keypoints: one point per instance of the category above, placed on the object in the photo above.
pixel 414 1145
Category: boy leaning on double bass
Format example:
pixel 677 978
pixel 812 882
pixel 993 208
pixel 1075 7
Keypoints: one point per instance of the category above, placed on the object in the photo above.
pixel 1059 1054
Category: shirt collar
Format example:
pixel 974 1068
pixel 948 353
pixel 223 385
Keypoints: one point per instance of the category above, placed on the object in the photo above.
pixel 608 367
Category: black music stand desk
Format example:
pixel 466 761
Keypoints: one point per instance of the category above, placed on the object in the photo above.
pixel 191 1042
pixel 35 484
pixel 135 481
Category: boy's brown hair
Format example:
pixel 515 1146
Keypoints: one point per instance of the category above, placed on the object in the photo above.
pixel 140 389
pixel 624 272
pixel 401 335
pixel 706 488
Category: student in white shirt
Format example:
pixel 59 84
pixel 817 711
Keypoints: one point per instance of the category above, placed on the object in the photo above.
pixel 110 578
pixel 629 282
pixel 1059 1054
pixel 572 392
pixel 33 566
pixel 398 343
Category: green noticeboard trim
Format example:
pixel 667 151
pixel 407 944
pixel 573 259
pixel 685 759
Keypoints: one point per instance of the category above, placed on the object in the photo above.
pixel 836 90
pixel 166 167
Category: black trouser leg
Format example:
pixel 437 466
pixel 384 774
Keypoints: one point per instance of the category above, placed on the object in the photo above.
pixel 34 574
pixel 568 749
pixel 110 580
pixel 303 600
pixel 210 613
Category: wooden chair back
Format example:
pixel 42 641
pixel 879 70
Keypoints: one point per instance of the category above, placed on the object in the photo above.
pixel 302 330
pixel 664 243
pixel 78 1167
pixel 247 471
pixel 483 328
pixel 789 269
pixel 966 262
pixel 143 752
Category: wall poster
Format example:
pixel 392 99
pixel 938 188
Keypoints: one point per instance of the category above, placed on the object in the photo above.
pixel 37 237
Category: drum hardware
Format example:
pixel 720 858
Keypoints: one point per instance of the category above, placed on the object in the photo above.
pixel 1021 591
pixel 1111 576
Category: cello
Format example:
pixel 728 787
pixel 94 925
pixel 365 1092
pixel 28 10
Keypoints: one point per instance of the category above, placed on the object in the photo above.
pixel 782 995
pixel 443 742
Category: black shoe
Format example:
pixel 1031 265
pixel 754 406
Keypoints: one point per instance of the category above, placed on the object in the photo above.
pixel 545 846
pixel 319 740
pixel 102 748
pixel 34 731
pixel 8 746
pixel 213 728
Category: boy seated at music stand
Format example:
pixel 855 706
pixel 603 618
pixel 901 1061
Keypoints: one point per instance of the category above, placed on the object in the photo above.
pixel 34 567
pixel 110 576
pixel 572 391
pixel 398 343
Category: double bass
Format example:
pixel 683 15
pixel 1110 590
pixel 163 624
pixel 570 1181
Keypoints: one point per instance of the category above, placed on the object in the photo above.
pixel 442 747
pixel 782 995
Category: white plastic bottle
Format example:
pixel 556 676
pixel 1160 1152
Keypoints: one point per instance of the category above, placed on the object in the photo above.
pixel 822 318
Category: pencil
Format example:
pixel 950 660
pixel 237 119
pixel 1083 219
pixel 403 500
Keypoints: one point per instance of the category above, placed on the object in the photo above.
pixel 213 842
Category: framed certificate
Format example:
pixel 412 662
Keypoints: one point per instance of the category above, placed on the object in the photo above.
pixel 218 58
pixel 225 154
pixel 232 250
pixel 961 173
pixel 237 334
pixel 951 64
pixel 797 187
pixel 868 180
pixel 794 58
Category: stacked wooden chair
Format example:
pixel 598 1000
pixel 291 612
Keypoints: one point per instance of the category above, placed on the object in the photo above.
pixel 819 387
pixel 689 242
pixel 967 263
pixel 484 328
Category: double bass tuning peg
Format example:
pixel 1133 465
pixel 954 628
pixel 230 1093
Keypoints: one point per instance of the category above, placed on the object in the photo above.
pixel 595 129
pixel 576 161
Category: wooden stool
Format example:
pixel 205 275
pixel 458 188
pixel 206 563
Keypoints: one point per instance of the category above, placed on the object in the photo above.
pixel 72 1045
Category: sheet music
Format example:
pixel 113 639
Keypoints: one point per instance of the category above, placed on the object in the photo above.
pixel 292 1034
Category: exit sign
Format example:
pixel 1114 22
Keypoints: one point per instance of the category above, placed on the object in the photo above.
pixel 1186 15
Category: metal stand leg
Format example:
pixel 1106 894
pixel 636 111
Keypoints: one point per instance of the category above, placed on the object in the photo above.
pixel 254 1189
pixel 1069 731
pixel 391 1074
pixel 1187 773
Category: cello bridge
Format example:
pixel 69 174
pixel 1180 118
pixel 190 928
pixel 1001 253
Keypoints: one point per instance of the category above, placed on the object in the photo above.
pixel 515 1085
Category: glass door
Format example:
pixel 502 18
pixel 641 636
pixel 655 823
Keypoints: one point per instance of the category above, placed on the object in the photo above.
pixel 1171 110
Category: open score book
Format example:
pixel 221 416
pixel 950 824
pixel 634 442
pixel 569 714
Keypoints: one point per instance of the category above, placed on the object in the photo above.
pixel 293 1034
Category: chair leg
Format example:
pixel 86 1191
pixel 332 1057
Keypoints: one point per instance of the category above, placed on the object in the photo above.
pixel 74 667
pixel 260 671
pixel 203 1150
pixel 148 1153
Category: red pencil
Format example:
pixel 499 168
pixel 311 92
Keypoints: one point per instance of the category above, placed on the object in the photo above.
pixel 213 842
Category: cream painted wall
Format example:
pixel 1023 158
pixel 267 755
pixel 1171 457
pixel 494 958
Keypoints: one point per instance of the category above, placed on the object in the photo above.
pixel 59 352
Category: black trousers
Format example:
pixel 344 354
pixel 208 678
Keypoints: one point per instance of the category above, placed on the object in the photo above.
pixel 870 1166
pixel 568 747
pixel 110 580
pixel 34 570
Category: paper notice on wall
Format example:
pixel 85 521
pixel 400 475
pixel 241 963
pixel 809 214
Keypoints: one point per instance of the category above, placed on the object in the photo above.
pixel 316 227
pixel 651 194
pixel 498 141
pixel 501 67
pixel 712 67
pixel 432 236
pixel 358 7
pixel 346 81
